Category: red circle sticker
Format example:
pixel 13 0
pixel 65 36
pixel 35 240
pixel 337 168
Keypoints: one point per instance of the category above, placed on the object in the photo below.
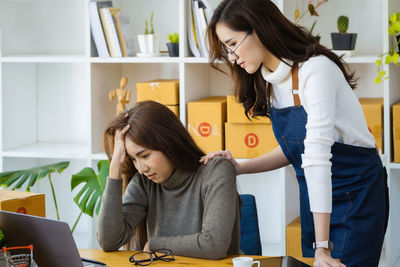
pixel 22 210
pixel 204 129
pixel 251 140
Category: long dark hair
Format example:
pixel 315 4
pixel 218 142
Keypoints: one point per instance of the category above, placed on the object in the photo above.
pixel 153 126
pixel 280 36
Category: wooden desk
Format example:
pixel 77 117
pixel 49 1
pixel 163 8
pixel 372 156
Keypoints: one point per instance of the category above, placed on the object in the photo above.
pixel 121 258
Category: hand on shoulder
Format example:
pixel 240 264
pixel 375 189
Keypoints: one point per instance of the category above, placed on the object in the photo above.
pixel 222 153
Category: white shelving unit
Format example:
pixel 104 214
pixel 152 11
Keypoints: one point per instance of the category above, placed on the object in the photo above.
pixel 54 96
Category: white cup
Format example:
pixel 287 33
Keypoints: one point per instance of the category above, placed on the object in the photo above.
pixel 244 262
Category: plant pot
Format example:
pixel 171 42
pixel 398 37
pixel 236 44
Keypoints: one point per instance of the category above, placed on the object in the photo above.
pixel 173 49
pixel 149 44
pixel 317 38
pixel 343 41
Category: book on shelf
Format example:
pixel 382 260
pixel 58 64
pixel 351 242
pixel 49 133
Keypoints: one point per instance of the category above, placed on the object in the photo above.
pixel 96 27
pixel 110 32
pixel 193 44
pixel 200 14
pixel 195 7
pixel 203 29
pixel 124 31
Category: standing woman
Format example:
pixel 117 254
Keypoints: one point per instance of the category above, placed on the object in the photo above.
pixel 282 72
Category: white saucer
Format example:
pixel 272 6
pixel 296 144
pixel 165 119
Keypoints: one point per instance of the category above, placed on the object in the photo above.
pixel 148 54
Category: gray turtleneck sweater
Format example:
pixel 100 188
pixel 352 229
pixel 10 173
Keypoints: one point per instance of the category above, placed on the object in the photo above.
pixel 193 214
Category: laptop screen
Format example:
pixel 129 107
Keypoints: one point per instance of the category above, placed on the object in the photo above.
pixel 53 244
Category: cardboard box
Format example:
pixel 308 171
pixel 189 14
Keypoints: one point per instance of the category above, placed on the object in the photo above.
pixel 174 109
pixel 235 112
pixel 246 140
pixel 206 118
pixel 163 91
pixel 396 132
pixel 373 111
pixel 293 242
pixel 23 202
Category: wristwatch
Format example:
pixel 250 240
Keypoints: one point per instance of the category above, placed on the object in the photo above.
pixel 327 244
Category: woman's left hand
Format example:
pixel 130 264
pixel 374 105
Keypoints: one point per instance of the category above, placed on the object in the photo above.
pixel 323 258
pixel 147 246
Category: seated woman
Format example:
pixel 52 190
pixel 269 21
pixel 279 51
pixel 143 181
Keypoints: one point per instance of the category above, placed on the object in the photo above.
pixel 188 207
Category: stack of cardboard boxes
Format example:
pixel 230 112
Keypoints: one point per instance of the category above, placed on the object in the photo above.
pixel 218 123
pixel 244 138
pixel 163 91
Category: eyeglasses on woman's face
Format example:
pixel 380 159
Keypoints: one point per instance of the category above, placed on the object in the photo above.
pixel 232 52
pixel 144 258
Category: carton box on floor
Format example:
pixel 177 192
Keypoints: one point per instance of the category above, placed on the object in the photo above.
pixel 206 118
pixel 22 202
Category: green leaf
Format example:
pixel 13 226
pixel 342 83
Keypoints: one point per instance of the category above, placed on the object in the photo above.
pixel 382 73
pixel 378 62
pixel 396 26
pixel 395 57
pixel 393 17
pixel 388 59
pixel 392 31
pixel 33 175
pixel 90 195
pixel 311 10
pixel 378 80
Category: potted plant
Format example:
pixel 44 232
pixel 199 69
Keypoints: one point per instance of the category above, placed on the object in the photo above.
pixel 91 185
pixel 343 40
pixel 312 10
pixel 173 45
pixel 149 42
pixel 391 56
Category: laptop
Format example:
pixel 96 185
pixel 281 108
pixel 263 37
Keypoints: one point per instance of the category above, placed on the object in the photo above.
pixel 53 244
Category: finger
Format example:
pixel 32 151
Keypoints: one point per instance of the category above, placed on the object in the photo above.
pixel 125 129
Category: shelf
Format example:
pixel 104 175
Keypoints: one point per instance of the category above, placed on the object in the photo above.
pixel 62 58
pixel 196 60
pixel 362 58
pixel 48 150
pixel 99 156
pixel 150 60
pixel 393 165
pixel 136 60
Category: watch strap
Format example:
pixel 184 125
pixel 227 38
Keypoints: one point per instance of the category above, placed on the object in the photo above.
pixel 327 244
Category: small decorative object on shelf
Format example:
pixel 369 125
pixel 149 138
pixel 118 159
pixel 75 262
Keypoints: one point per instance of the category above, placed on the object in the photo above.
pixel 149 42
pixel 123 95
pixel 312 10
pixel 391 56
pixel 343 40
pixel 173 45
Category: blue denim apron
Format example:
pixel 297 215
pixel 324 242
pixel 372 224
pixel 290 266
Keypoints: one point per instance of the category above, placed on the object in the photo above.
pixel 358 197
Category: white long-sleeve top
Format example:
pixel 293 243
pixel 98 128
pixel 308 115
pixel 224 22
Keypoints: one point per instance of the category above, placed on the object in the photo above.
pixel 334 114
